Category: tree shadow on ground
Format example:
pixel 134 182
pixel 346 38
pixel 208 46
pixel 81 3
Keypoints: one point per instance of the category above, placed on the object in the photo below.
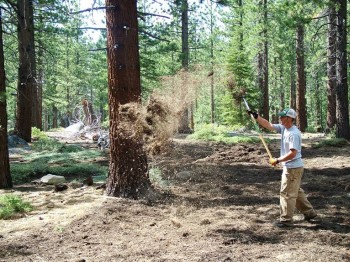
pixel 247 237
pixel 14 250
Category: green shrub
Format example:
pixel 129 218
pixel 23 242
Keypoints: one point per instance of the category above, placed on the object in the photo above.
pixel 223 134
pixel 37 134
pixel 10 205
pixel 57 129
pixel 155 175
pixel 49 156
pixel 335 142
pixel 47 144
pixel 72 164
pixel 105 124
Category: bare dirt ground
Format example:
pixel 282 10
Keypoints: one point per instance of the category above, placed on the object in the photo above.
pixel 219 204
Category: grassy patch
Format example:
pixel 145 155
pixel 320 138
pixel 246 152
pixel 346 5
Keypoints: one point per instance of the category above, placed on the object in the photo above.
pixel 222 134
pixel 52 157
pixel 155 175
pixel 11 205
pixel 335 142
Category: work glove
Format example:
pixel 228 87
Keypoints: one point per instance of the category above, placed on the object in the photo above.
pixel 273 161
pixel 253 113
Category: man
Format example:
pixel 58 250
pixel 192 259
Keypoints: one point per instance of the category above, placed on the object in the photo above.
pixel 291 195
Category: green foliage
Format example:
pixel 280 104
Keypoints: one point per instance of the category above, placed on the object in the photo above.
pixel 100 178
pixel 229 114
pixel 10 205
pixel 223 134
pixel 239 65
pixel 70 165
pixel 2 96
pixel 334 142
pixel 155 175
pixel 223 40
pixel 44 143
pixel 332 133
pixel 53 157
pixel 37 134
pixel 65 164
pixel 52 145
pixel 105 124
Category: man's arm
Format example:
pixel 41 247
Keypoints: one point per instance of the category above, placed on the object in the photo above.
pixel 289 156
pixel 264 123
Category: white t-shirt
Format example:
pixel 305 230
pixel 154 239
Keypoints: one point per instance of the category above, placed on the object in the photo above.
pixel 291 139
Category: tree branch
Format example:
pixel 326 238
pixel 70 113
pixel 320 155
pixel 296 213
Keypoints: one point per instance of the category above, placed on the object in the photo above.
pixel 92 28
pixel 98 49
pixel 140 30
pixel 92 9
pixel 153 36
pixel 151 14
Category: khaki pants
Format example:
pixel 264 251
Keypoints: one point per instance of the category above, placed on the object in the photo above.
pixel 292 196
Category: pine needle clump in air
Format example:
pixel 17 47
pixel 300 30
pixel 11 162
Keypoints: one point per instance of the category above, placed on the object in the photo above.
pixel 151 124
pixel 155 122
pixel 237 92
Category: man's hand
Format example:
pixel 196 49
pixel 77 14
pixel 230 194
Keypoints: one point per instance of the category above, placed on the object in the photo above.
pixel 273 161
pixel 253 113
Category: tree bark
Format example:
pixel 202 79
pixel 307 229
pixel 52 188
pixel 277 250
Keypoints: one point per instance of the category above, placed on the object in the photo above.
pixel 301 80
pixel 281 85
pixel 54 117
pixel 318 104
pixel 184 125
pixel 266 104
pixel 36 118
pixel 342 101
pixel 184 35
pixel 275 81
pixel 128 168
pixel 40 79
pixel 25 72
pixel 292 102
pixel 212 93
pixel 331 68
pixel 263 77
pixel 5 175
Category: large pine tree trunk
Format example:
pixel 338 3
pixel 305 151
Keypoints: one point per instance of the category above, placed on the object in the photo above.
pixel 54 117
pixel 40 77
pixel 292 102
pixel 212 93
pixel 5 176
pixel 342 78
pixel 331 68
pixel 263 72
pixel 261 79
pixel 36 118
pixel 281 85
pixel 26 78
pixel 265 87
pixel 184 35
pixel 318 104
pixel 274 117
pixel 301 80
pixel 184 124
pixel 39 106
pixel 266 104
pixel 128 168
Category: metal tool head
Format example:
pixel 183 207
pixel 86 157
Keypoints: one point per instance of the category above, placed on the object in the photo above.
pixel 246 104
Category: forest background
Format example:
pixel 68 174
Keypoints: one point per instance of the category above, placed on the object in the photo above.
pixel 204 53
